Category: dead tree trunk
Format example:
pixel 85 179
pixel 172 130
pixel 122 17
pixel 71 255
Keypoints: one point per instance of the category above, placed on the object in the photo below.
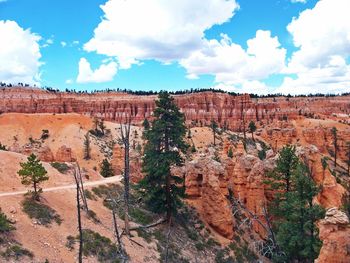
pixel 79 220
pixel 125 135
pixel 81 188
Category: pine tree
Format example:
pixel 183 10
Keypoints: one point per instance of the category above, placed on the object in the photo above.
pixel 165 142
pixel 214 128
pixel 297 234
pixel 280 178
pixel 106 169
pixel 33 173
pixel 252 128
pixel 230 153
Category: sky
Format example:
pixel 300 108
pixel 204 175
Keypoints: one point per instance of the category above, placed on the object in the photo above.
pixel 254 46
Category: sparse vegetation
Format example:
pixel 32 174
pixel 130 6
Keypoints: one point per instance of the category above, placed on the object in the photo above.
pixel 45 134
pixel 5 224
pixel 43 214
pixel 61 167
pixel 16 252
pixel 98 246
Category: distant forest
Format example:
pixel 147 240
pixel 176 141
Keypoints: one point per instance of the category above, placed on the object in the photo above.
pixel 179 92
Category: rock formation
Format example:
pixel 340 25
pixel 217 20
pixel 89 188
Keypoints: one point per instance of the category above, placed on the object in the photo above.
pixel 335 234
pixel 198 107
pixel 205 182
pixel 118 163
pixel 65 154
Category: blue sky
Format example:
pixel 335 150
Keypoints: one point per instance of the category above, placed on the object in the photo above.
pixel 180 45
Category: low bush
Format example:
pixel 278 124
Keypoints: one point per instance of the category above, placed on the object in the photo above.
pixel 61 167
pixel 16 251
pixel 5 223
pixel 99 246
pixel 42 213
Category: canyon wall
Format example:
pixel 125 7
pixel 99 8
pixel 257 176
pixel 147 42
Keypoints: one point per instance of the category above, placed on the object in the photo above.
pixel 198 107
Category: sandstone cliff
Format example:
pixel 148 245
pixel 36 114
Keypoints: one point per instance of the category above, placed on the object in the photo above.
pixel 200 108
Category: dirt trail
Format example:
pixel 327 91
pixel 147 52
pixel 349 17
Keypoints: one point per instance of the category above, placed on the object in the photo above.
pixel 71 186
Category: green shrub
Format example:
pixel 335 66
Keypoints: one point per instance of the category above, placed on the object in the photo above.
pixel 144 234
pixel 222 256
pixel 262 154
pixel 92 215
pixel 16 252
pixel 5 224
pixel 140 216
pixel 230 153
pixel 42 213
pixel 99 246
pixel 90 195
pixel 61 167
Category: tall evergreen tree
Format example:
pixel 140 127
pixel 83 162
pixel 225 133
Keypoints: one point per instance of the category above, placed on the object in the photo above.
pixel 165 142
pixel 33 173
pixel 252 128
pixel 297 234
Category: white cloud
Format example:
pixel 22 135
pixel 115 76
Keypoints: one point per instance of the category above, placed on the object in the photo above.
pixel 75 42
pixel 104 73
pixel 63 43
pixel 163 30
pixel 322 36
pixel 48 42
pixel 230 63
pixel 256 87
pixel 19 54
pixel 331 78
pixel 69 81
pixel 320 33
pixel 299 1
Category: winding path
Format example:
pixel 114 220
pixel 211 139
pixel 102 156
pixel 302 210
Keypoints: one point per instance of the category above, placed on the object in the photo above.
pixel 108 180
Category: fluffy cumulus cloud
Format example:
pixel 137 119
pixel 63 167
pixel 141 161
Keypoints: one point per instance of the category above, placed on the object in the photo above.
pixel 104 73
pixel 230 63
pixel 163 30
pixel 19 54
pixel 322 36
